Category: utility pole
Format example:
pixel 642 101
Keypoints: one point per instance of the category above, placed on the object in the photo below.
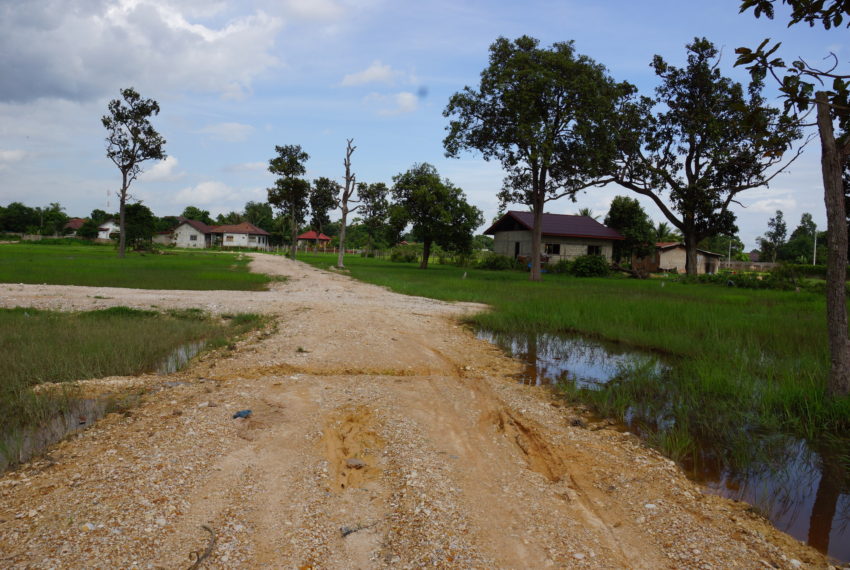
pixel 815 248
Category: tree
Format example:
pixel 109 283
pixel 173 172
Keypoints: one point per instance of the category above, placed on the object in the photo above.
pixel 800 247
pixel 436 209
pixel 729 245
pixel 140 225
pixel 346 199
pixel 197 214
pixel 259 214
pixel 663 232
pixel 131 140
pixel 17 217
pixel 587 212
pixel 482 243
pixel 290 193
pixel 88 230
pixel 98 216
pixel 627 217
pixel 230 218
pixel 774 237
pixel 804 87
pixel 700 143
pixel 375 210
pixel 324 197
pixel 543 113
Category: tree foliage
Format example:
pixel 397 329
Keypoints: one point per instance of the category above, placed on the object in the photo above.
pixel 130 141
pixel 374 209
pixel 140 224
pixel 543 114
pixel 259 214
pixel 290 194
pixel 324 197
pixel 628 217
pixel 699 143
pixel 197 214
pixel 774 237
pixel 436 209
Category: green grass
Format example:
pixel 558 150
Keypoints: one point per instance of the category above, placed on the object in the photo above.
pixel 742 361
pixel 47 346
pixel 99 266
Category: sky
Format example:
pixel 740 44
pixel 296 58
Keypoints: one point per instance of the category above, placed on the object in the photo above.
pixel 236 78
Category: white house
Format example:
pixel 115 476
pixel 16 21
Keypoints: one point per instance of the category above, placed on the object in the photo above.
pixel 107 228
pixel 194 234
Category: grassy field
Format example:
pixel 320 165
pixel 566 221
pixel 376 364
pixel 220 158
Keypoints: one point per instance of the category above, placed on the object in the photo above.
pixel 48 346
pixel 743 361
pixel 99 266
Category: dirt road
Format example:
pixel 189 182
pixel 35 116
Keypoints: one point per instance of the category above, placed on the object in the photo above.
pixel 382 434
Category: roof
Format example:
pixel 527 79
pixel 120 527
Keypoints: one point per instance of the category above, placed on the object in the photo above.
pixel 243 228
pixel 200 226
pixel 664 245
pixel 313 235
pixel 555 225
pixel 75 223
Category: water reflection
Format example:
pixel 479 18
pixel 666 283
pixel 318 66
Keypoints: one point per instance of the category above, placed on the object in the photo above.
pixel 802 490
pixel 180 356
pixel 551 359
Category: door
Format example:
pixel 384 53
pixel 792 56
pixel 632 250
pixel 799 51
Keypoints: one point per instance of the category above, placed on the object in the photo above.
pixel 516 249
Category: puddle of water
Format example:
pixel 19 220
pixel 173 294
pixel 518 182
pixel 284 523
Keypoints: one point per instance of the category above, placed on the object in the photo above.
pixel 180 356
pixel 551 359
pixel 803 492
pixel 21 446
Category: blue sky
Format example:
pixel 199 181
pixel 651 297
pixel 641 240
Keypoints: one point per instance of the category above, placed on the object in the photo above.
pixel 234 79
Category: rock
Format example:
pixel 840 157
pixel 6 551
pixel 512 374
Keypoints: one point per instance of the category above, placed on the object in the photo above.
pixel 87 526
pixel 354 463
pixel 578 556
pixel 650 506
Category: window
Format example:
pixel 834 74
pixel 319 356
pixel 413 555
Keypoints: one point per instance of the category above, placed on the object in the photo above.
pixel 553 248
pixel 252 238
pixel 193 237
pixel 228 238
pixel 594 250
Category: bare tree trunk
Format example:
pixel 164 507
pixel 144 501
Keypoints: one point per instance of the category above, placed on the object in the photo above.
pixel 691 267
pixel 536 237
pixel 836 261
pixel 426 253
pixel 122 200
pixel 293 226
pixel 347 194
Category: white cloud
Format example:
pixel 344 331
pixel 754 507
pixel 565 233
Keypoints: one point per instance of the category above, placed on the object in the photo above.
pixel 375 73
pixel 247 166
pixel 228 132
pixel 88 49
pixel 163 171
pixel 315 9
pixel 204 193
pixel 395 104
pixel 9 156
pixel 770 205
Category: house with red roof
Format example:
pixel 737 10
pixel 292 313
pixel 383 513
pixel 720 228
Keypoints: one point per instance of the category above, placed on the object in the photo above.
pixel 72 225
pixel 563 236
pixel 313 238
pixel 195 234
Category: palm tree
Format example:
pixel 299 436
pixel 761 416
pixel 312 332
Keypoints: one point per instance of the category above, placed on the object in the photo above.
pixel 587 212
pixel 663 232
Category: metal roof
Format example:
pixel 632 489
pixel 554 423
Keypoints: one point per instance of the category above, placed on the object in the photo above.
pixel 555 225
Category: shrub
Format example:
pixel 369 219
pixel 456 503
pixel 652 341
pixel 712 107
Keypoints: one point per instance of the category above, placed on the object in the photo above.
pixel 590 266
pixel 403 254
pixel 562 266
pixel 496 262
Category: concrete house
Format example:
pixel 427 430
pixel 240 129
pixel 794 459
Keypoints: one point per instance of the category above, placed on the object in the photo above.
pixel 671 257
pixel 563 236
pixel 195 234
pixel 107 228
pixel 73 225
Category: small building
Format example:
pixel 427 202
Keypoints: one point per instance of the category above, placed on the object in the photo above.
pixel 107 229
pixel 563 236
pixel 73 225
pixel 671 257
pixel 195 234
pixel 313 238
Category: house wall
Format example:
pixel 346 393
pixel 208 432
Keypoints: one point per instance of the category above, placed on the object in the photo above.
pixel 504 243
pixel 676 259
pixel 187 236
pixel 111 227
pixel 244 240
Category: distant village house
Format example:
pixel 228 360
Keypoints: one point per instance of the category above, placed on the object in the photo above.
pixel 313 238
pixel 671 257
pixel 563 236
pixel 195 234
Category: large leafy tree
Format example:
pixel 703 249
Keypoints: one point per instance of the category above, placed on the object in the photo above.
pixel 628 217
pixel 699 143
pixel 542 113
pixel 774 237
pixel 197 214
pixel 131 140
pixel 437 210
pixel 827 91
pixel 290 193
pixel 17 217
pixel 374 208
pixel 324 197
pixel 140 225
pixel 260 214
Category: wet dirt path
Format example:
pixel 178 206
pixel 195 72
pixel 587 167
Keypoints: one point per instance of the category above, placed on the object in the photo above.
pixel 382 434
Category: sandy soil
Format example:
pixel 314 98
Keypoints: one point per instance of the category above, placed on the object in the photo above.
pixel 383 434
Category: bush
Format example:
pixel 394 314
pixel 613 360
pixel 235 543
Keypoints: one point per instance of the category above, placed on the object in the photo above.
pixel 496 262
pixel 590 266
pixel 404 254
pixel 563 266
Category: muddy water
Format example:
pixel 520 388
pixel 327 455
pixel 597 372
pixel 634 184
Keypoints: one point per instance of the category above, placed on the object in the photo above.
pixel 803 491
pixel 180 356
